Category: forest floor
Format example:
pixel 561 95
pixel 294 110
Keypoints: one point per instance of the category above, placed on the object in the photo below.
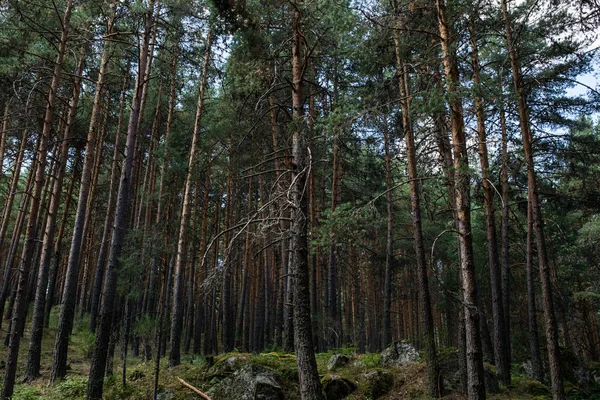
pixel 409 382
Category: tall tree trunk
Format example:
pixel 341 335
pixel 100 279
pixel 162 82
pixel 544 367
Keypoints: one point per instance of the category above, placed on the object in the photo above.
pixel 558 392
pixel 99 356
pixel 475 384
pixel 18 321
pixel 56 256
pixel 3 134
pixel 12 191
pixel 501 338
pixel 67 307
pixel 389 254
pixel 310 385
pixel 534 345
pixel 37 323
pixel 434 381
pixel 505 223
pixel 179 289
pixel 110 213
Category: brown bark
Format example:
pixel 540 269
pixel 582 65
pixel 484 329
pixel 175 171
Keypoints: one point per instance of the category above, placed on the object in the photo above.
pixel 18 321
pixel 179 288
pixel 475 384
pixel 434 381
pixel 505 224
pixel 100 352
pixel 310 385
pixel 67 307
pixel 534 345
pixel 37 324
pixel 500 336
pixel 110 213
pixel 558 392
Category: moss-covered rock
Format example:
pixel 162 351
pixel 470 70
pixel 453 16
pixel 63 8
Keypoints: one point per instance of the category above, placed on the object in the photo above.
pixel 228 364
pixel 376 383
pixel 398 354
pixel 337 387
pixel 251 382
pixel 337 361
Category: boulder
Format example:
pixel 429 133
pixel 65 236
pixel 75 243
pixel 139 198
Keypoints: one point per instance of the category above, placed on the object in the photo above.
pixel 251 382
pixel 377 383
pixel 337 361
pixel 228 365
pixel 166 394
pixel 398 354
pixel 336 387
pixel 490 380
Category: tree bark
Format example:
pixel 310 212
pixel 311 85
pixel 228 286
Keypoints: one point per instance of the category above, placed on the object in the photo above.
pixel 37 324
pixel 99 356
pixel 500 336
pixel 67 307
pixel 179 289
pixel 475 384
pixel 558 392
pixel 18 321
pixel 534 344
pixel 110 214
pixel 505 224
pixel 310 385
pixel 434 381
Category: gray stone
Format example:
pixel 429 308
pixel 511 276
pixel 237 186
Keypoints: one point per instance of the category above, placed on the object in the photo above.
pixel 229 365
pixel 490 380
pixel 251 382
pixel 337 361
pixel 399 354
pixel 337 388
pixel 167 394
pixel 377 383
pixel 359 364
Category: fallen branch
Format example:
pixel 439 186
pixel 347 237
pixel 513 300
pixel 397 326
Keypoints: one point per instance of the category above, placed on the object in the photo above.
pixel 193 389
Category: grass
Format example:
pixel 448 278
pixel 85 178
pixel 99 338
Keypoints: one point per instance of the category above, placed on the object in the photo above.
pixel 409 382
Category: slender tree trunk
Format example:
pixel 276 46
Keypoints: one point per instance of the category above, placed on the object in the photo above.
pixel 99 356
pixel 558 392
pixel 310 385
pixel 505 225
pixel 7 277
pixel 110 214
pixel 56 256
pixel 37 324
pixel 389 255
pixel 534 345
pixel 12 191
pixel 178 291
pixel 500 335
pixel 3 134
pixel 475 384
pixel 67 307
pixel 435 385
pixel 18 321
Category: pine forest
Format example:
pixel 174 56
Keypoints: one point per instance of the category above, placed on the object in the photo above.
pixel 300 199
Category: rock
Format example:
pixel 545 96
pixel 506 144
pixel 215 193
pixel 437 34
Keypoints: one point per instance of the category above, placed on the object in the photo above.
pixel 228 365
pixel 359 364
pixel 377 383
pixel 336 387
pixel 251 382
pixel 399 353
pixel 167 394
pixel 490 380
pixel 337 361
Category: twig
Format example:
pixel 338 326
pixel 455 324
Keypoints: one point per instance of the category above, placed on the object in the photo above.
pixel 193 389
